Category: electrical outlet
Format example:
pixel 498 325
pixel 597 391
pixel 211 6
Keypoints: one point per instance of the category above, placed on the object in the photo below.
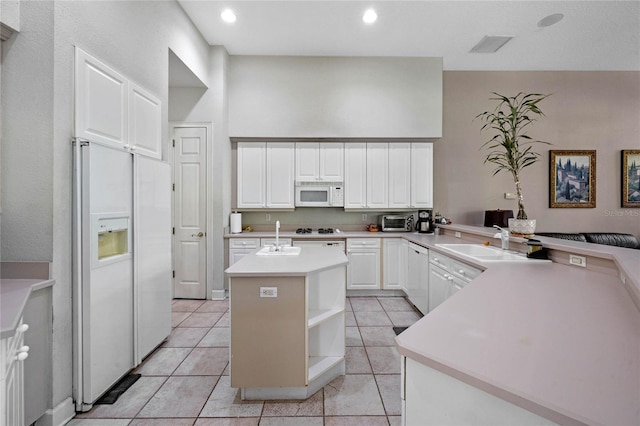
pixel 458 235
pixel 509 196
pixel 268 291
pixel 268 217
pixel 364 217
pixel 578 260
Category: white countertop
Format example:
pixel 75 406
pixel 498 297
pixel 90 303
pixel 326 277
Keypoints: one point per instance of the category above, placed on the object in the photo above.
pixel 14 294
pixel 562 342
pixel 310 260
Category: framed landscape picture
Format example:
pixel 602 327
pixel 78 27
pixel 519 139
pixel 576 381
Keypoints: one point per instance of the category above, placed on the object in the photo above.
pixel 572 178
pixel 631 178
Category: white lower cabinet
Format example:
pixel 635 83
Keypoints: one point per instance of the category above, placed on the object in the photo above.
pixel 238 247
pixel 430 397
pixel 363 271
pixel 446 277
pixel 393 264
pixel 417 286
pixel 13 352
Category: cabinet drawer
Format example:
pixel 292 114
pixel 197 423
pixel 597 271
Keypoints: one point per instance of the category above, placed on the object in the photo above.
pixel 353 243
pixel 440 260
pixel 249 243
pixel 264 242
pixel 464 271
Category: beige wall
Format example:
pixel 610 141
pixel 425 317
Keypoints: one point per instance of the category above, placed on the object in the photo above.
pixel 587 110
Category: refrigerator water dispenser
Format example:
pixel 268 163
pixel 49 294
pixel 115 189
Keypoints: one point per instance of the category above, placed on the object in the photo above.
pixel 113 237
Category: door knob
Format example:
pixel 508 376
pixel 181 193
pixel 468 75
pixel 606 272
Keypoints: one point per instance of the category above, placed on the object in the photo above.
pixel 199 234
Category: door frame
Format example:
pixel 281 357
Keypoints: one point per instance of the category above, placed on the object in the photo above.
pixel 208 126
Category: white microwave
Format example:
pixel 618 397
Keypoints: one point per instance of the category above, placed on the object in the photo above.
pixel 319 194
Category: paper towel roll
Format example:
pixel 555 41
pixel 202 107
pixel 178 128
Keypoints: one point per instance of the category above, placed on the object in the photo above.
pixel 236 223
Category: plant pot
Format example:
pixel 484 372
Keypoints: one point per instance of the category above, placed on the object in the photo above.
pixel 522 227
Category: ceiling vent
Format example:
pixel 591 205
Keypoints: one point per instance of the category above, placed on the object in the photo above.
pixel 490 44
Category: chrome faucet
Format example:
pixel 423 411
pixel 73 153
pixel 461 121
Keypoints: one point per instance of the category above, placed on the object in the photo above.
pixel 504 237
pixel 277 235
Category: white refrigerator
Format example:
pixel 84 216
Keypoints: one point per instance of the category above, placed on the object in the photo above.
pixel 122 265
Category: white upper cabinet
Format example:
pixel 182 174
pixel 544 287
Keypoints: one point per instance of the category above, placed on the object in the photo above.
pixel 114 111
pixel 331 159
pixel 100 101
pixel 251 187
pixel 319 161
pixel 145 114
pixel 280 175
pixel 422 175
pixel 377 175
pixel 307 164
pixel 355 175
pixel 265 175
pixel 400 175
pixel 393 175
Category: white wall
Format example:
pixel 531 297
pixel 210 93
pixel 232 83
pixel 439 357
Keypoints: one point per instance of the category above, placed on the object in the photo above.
pixel 284 96
pixel 37 97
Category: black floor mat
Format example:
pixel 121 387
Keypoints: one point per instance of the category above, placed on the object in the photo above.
pixel 118 389
pixel 399 330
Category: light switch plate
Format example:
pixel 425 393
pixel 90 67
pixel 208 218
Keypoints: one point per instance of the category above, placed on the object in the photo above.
pixel 509 196
pixel 578 260
pixel 268 291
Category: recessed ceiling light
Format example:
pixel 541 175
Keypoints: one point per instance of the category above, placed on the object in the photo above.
pixel 369 16
pixel 547 21
pixel 228 16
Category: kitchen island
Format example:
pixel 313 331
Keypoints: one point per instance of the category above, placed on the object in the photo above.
pixel 287 322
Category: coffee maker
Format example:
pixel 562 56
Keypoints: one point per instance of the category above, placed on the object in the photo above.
pixel 425 223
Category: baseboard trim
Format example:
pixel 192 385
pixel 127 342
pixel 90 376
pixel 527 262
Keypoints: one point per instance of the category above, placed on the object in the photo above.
pixel 217 294
pixel 58 416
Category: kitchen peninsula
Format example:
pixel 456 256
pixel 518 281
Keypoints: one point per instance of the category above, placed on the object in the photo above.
pixel 546 343
pixel 287 322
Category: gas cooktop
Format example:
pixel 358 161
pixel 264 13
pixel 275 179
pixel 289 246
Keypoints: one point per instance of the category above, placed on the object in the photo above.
pixel 319 231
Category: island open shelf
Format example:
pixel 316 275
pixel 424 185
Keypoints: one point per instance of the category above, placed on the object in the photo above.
pixel 287 323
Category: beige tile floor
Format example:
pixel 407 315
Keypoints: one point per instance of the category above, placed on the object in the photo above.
pixel 186 380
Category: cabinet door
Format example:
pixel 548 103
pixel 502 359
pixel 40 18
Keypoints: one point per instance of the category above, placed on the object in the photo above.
pixel 377 175
pixel 100 102
pixel 413 273
pixel 145 126
pixel 237 254
pixel 355 175
pixel 422 175
pixel 363 271
pixel 399 175
pixel 307 164
pixel 404 264
pixel 440 286
pixel 280 175
pixel 251 175
pixel 331 161
pixel 392 263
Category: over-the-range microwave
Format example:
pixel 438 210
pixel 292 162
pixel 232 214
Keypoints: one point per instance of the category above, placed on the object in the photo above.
pixel 319 194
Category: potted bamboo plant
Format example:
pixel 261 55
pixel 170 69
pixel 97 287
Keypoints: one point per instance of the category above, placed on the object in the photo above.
pixel 510 148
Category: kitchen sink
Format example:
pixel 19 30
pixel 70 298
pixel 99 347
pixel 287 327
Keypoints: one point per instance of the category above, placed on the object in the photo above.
pixel 484 253
pixel 284 251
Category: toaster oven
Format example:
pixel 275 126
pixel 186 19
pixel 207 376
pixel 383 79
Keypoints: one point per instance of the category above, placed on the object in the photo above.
pixel 396 223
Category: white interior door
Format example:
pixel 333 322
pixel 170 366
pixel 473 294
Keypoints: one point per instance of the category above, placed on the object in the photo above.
pixel 190 212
